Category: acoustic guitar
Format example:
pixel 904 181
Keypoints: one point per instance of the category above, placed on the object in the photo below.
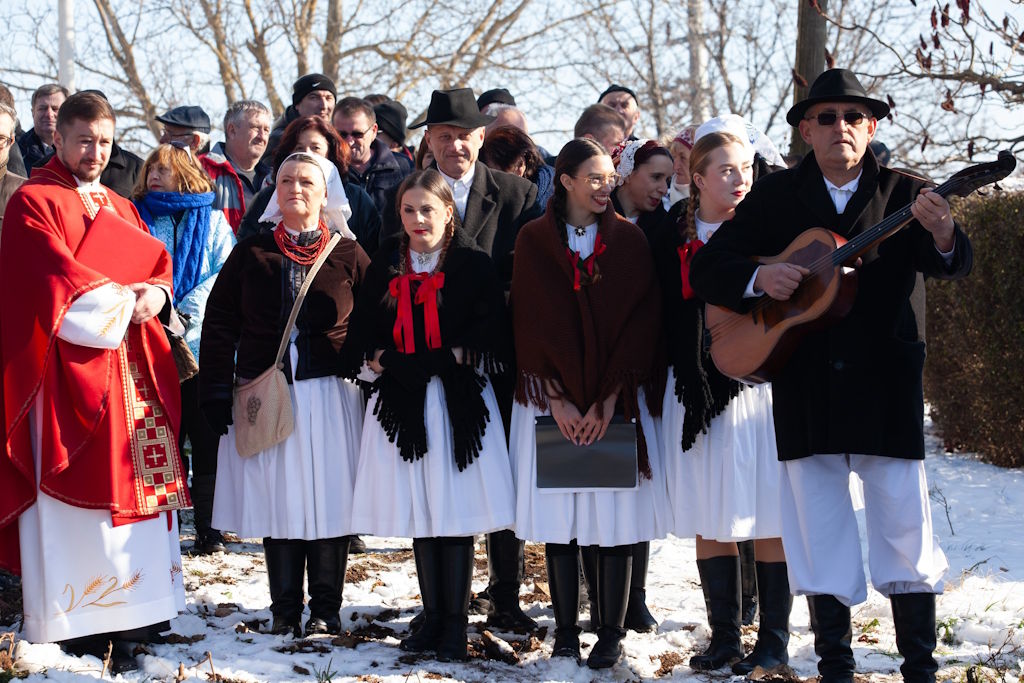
pixel 754 346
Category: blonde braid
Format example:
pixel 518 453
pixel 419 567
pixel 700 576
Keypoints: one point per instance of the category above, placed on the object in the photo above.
pixel 690 230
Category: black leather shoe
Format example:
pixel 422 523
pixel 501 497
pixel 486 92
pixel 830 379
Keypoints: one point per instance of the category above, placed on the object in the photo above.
pixel 608 649
pixel 638 617
pixel 720 579
pixel 285 626
pixel 770 652
pixel 209 542
pixel 356 545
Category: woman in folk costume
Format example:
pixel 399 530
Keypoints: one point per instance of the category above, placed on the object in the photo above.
pixel 433 465
pixel 175 198
pixel 587 322
pixel 719 437
pixel 645 171
pixel 297 495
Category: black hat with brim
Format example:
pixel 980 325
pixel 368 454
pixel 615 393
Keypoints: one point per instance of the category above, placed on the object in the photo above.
pixel 836 85
pixel 391 116
pixel 454 108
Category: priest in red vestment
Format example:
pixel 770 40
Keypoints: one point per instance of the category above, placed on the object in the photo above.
pixel 90 476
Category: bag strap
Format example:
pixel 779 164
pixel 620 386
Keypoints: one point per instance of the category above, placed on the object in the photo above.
pixel 302 295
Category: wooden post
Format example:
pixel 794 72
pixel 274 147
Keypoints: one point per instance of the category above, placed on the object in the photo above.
pixel 810 58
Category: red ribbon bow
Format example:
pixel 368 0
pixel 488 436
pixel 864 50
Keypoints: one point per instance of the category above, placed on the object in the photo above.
pixel 400 288
pixel 587 264
pixel 686 253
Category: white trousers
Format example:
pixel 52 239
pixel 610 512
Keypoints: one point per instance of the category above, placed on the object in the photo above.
pixel 821 536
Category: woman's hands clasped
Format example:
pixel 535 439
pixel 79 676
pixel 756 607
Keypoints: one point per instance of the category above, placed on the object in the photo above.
pixel 582 430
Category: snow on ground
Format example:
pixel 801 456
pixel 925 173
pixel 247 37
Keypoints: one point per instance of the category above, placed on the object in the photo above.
pixel 977 510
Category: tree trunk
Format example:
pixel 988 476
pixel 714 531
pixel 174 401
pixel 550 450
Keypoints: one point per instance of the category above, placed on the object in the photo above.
pixel 332 41
pixel 810 58
pixel 700 106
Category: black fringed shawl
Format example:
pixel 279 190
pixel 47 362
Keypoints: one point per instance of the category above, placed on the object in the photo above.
pixel 700 387
pixel 472 315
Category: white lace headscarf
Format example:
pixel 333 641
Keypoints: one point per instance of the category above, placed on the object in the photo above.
pixel 624 156
pixel 737 125
pixel 336 210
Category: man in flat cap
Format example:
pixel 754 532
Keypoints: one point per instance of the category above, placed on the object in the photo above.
pixel 849 399
pixel 188 125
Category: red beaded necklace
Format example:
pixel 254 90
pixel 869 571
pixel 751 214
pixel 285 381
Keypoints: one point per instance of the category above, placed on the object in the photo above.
pixel 304 255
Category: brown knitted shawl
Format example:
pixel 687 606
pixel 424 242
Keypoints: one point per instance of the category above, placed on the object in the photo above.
pixel 605 336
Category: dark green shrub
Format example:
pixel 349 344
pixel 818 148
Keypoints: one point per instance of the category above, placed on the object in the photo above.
pixel 974 375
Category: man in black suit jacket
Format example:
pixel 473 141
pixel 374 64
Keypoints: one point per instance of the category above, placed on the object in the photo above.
pixel 492 205
pixel 850 397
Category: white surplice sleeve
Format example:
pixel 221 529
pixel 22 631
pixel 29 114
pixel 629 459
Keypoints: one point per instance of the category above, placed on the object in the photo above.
pixel 99 318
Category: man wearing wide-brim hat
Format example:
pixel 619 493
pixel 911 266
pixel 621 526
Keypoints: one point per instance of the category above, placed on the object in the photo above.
pixel 493 206
pixel 849 399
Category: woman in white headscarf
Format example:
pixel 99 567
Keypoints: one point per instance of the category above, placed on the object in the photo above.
pixel 296 495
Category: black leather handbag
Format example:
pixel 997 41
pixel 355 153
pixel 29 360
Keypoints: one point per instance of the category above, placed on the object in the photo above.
pixel 606 465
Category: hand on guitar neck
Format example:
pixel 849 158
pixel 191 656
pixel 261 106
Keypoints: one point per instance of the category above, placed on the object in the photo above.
pixel 932 211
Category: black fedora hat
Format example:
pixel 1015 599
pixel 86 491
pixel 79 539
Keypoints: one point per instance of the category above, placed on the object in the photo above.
pixel 836 85
pixel 454 108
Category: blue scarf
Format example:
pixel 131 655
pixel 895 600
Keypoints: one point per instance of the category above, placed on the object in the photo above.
pixel 195 230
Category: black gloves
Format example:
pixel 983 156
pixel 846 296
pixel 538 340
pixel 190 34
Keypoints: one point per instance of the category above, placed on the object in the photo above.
pixel 218 415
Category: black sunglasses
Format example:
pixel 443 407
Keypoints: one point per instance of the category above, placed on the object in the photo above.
pixel 828 118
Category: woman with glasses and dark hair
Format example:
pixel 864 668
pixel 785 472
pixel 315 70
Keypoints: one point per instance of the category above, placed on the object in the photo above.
pixel 313 134
pixel 587 326
pixel 175 198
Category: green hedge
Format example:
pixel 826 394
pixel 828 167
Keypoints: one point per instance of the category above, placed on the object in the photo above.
pixel 974 376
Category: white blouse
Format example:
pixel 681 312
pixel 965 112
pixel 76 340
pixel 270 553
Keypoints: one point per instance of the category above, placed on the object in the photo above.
pixel 584 244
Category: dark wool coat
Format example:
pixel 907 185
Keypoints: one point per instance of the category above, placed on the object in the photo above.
pixel 245 312
pixel 499 204
pixel 855 387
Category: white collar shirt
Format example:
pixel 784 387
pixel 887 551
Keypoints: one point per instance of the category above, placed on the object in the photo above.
pixel 460 188
pixel 841 195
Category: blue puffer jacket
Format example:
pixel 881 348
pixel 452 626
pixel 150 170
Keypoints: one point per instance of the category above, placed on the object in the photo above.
pixel 219 244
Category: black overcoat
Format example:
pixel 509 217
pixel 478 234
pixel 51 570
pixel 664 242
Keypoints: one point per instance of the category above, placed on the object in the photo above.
pixel 855 387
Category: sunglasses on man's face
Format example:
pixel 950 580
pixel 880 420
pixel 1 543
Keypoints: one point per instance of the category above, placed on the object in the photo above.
pixel 829 118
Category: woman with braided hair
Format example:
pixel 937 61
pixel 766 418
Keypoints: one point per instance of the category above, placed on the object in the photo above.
pixel 587 324
pixel 432 327
pixel 718 435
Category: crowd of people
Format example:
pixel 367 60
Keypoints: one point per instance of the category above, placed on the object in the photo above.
pixel 417 325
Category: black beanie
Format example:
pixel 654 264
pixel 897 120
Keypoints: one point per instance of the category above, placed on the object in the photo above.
pixel 309 83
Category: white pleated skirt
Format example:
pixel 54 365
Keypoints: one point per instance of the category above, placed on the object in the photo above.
pixel 430 496
pixel 726 486
pixel 302 487
pixel 594 518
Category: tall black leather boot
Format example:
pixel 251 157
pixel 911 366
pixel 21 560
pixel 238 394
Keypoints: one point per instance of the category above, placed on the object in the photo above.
pixel 748 582
pixel 564 582
pixel 429 569
pixel 638 617
pixel 720 578
pixel 833 634
pixel 773 626
pixel 588 560
pixel 614 567
pixel 914 618
pixel 286 564
pixel 326 562
pixel 208 539
pixel 457 559
pixel 505 556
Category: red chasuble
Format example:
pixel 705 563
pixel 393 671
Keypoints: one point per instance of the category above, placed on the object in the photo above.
pixel 109 418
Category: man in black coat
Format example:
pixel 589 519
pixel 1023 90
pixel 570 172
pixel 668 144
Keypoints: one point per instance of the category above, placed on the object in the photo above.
pixel 850 397
pixel 492 206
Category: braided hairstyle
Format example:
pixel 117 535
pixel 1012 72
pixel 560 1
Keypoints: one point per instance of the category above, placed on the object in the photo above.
pixel 700 157
pixel 570 158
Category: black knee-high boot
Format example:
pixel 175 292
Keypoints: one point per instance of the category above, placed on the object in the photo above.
pixel 429 569
pixel 326 562
pixel 748 582
pixel 720 579
pixel 638 617
pixel 286 564
pixel 564 582
pixel 914 617
pixel 773 625
pixel 588 560
pixel 833 635
pixel 505 555
pixel 614 567
pixel 457 559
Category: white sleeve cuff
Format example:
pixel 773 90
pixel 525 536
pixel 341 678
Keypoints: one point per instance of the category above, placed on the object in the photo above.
pixel 750 292
pixel 99 318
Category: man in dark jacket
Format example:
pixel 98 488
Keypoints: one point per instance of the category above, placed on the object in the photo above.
pixel 312 95
pixel 849 399
pixel 374 167
pixel 36 145
pixel 493 207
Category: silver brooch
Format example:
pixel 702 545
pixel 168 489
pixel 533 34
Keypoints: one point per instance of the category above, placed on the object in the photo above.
pixel 580 231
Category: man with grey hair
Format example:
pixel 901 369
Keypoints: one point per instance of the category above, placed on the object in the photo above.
pixel 9 182
pixel 36 145
pixel 234 165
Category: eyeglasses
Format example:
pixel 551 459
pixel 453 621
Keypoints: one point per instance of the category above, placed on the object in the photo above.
pixel 5 142
pixel 354 134
pixel 828 118
pixel 599 181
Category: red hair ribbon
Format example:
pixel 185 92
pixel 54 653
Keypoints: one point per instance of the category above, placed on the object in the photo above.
pixel 400 288
pixel 587 264
pixel 686 253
